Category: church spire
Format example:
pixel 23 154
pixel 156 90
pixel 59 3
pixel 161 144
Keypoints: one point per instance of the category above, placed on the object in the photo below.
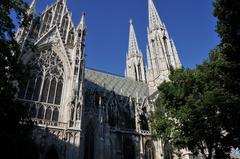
pixel 82 24
pixel 32 8
pixel 133 48
pixel 162 54
pixel 134 64
pixel 154 19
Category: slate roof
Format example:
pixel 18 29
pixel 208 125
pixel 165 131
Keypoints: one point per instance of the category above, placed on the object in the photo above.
pixel 101 81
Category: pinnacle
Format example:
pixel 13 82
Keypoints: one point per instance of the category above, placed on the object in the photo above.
pixel 154 19
pixel 32 7
pixel 82 23
pixel 131 21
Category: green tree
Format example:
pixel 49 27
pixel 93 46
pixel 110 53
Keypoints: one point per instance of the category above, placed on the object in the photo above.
pixel 199 108
pixel 15 125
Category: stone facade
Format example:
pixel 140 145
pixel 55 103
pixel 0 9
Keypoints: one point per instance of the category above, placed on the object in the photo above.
pixel 84 113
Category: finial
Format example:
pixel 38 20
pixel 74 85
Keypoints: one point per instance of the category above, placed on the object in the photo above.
pixel 32 7
pixel 131 21
pixel 82 23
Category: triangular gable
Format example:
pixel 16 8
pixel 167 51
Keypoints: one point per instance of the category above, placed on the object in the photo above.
pixel 53 37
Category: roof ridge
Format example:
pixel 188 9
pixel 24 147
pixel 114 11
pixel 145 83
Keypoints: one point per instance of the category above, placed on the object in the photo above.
pixel 113 74
pixel 102 71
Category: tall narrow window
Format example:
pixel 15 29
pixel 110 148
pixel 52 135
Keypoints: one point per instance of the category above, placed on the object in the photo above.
pixel 48 114
pixel 37 89
pixel 167 51
pixel 55 114
pixel 41 112
pixel 72 113
pixel 59 92
pixel 140 72
pixel 46 83
pixel 45 90
pixel 135 72
pixel 149 150
pixel 52 91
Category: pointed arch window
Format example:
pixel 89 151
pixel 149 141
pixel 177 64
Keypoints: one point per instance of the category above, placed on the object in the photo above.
pixel 52 91
pixel 135 73
pixel 46 82
pixel 58 92
pixel 149 150
pixel 167 51
pixel 45 90
pixel 55 114
pixel 48 113
pixel 37 89
pixel 140 72
pixel 41 112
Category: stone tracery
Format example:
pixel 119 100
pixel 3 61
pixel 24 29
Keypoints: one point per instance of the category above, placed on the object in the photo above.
pixel 45 85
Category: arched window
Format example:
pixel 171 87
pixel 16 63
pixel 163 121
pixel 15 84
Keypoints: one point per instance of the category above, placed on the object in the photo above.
pixel 140 72
pixel 46 82
pixel 144 122
pixel 45 90
pixel 72 113
pixel 149 150
pixel 37 89
pixel 48 113
pixel 52 91
pixel 167 51
pixel 58 92
pixel 41 112
pixel 135 72
pixel 55 114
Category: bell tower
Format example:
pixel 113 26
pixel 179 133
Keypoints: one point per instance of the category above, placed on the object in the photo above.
pixel 161 51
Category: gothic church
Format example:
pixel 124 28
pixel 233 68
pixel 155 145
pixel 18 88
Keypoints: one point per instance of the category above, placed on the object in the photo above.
pixel 83 113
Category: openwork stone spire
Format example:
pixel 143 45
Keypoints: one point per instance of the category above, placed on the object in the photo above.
pixel 161 51
pixel 133 48
pixel 154 19
pixel 134 62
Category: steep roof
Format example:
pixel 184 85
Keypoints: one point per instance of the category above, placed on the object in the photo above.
pixel 120 85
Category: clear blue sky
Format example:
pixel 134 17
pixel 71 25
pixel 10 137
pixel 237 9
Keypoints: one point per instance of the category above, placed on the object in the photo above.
pixel 190 23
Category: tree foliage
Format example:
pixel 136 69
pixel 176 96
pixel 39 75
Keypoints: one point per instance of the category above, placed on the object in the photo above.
pixel 199 108
pixel 15 125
